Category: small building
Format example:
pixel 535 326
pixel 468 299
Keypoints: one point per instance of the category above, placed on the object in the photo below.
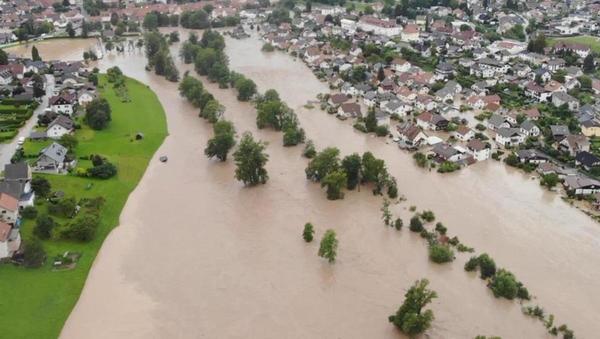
pixel 349 110
pixel 60 126
pixel 478 149
pixel 507 136
pixel 432 121
pixel 586 160
pixel 52 158
pixel 64 103
pixel 581 185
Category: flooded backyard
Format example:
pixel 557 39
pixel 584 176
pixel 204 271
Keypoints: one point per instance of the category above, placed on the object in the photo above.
pixel 197 255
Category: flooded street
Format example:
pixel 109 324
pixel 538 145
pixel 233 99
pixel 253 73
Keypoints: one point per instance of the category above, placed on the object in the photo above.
pixel 197 255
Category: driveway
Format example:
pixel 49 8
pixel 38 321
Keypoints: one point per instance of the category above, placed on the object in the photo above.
pixel 8 149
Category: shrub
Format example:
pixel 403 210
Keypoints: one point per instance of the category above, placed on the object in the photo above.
pixel 309 150
pixel 29 212
pixel 440 253
pixel 447 167
pixel 65 207
pixel 471 264
pixel 382 131
pixel 34 254
pixel 82 229
pixel 104 171
pixel 43 227
pixel 398 224
pixel 41 186
pixel 440 228
pixel 428 216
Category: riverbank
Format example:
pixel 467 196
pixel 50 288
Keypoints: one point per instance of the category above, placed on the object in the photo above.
pixel 195 249
pixel 235 252
pixel 39 300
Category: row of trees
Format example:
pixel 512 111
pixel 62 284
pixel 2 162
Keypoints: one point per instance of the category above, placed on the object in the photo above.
pixel 209 59
pixel 250 157
pixel 336 174
pixel 272 112
pixel 159 57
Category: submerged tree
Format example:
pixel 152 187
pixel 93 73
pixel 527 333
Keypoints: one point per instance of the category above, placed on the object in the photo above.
pixel 335 181
pixel 328 247
pixel 222 141
pixel 308 232
pixel 250 160
pixel 410 317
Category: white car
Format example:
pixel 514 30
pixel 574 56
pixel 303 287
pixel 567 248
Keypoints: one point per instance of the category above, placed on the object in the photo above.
pixel 21 141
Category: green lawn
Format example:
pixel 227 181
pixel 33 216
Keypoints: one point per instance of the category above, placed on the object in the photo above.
pixel 591 41
pixel 34 303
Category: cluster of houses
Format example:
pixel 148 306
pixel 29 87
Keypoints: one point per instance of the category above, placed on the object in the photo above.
pixel 70 93
pixel 438 106
pixel 15 194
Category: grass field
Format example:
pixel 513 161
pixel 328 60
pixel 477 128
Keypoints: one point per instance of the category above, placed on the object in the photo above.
pixel 34 303
pixel 593 42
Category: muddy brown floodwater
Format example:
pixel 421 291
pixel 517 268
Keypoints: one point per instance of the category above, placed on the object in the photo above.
pixel 55 49
pixel 197 255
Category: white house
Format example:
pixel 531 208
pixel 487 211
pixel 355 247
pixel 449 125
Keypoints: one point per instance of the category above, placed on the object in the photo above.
pixel 60 126
pixel 507 136
pixel 63 103
pixel 478 149
pixel 375 25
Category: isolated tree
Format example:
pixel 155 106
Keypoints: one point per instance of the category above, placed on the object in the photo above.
pixel 410 317
pixel 352 165
pixel 34 254
pixel 308 232
pixel 38 86
pixel 3 57
pixel 328 247
pixel 334 182
pixel 250 160
pixel 35 54
pixel 380 74
pixel 98 113
pixel 589 65
pixel 222 141
pixel 41 186
pixel 70 30
pixel 371 121
pixel 43 227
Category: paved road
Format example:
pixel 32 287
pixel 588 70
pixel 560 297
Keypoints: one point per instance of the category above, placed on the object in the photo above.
pixel 7 150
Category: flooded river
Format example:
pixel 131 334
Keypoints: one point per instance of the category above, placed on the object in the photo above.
pixel 197 255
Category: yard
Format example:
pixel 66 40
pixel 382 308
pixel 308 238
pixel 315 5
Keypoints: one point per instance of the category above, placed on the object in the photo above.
pixel 12 118
pixel 593 42
pixel 37 302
